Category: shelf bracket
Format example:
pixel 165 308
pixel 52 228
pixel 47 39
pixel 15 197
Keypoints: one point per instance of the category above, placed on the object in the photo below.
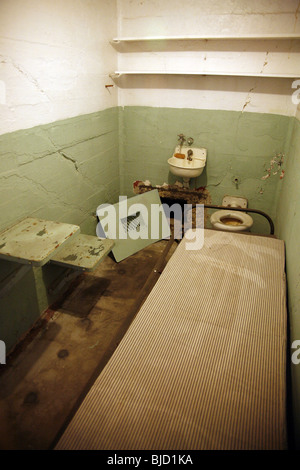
pixel 115 75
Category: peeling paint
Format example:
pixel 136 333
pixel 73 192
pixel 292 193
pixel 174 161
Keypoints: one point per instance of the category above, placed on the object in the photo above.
pixel 70 258
pixel 96 251
pixel 265 62
pixel 275 164
pixel 238 143
pixel 41 233
pixel 199 195
pixel 248 99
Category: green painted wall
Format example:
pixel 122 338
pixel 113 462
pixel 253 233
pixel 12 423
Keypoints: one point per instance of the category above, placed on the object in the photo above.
pixel 239 144
pixel 61 171
pixel 288 222
pixel 64 170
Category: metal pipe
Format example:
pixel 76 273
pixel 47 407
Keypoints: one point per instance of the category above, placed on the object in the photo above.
pixel 255 211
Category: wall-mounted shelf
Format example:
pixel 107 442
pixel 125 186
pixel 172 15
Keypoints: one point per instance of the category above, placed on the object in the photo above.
pixel 165 51
pixel 208 38
pixel 118 73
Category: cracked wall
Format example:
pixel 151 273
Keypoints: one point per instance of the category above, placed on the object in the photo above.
pixel 55 58
pixel 60 171
pixel 58 130
pixel 174 17
pixel 224 62
pixel 240 145
pixel 288 230
pixel 54 65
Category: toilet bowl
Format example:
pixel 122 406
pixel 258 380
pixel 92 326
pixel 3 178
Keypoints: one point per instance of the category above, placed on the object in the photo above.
pixel 232 221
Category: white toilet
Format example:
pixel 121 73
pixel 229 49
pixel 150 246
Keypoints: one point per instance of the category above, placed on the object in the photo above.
pixel 232 221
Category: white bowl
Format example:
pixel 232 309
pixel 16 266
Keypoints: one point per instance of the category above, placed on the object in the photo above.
pixel 245 220
pixel 186 168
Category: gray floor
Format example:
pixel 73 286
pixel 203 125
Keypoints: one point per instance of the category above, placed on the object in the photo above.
pixel 46 378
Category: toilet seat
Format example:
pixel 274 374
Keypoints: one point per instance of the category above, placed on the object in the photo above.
pixel 245 219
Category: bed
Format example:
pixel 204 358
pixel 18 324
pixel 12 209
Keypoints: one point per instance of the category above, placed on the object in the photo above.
pixel 203 364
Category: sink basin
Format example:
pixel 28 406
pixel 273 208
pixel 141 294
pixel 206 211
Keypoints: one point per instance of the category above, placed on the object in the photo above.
pixel 186 168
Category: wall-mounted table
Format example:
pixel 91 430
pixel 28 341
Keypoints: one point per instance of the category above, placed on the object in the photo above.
pixel 35 242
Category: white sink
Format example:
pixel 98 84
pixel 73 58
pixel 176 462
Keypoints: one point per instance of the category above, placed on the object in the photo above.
pixel 186 168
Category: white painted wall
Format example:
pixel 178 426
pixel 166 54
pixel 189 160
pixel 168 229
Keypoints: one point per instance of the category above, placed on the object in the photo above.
pixel 55 56
pixel 55 60
pixel 206 18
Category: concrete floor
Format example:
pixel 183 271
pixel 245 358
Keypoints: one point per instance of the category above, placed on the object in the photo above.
pixel 49 374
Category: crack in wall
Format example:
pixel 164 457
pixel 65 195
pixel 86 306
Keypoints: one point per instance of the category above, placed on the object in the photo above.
pixel 218 183
pixel 61 151
pixel 38 157
pixel 38 43
pixel 78 142
pixel 248 99
pixel 56 199
pixel 56 150
pixel 27 75
pixel 73 160
pixel 265 62
pixel 70 159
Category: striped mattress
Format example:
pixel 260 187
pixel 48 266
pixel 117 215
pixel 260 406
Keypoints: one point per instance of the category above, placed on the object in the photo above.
pixel 203 364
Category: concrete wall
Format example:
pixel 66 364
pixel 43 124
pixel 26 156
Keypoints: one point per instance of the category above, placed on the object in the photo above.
pixel 66 146
pixel 60 171
pixel 55 63
pixel 240 120
pixel 240 145
pixel 158 107
pixel 288 230
pixel 59 128
pixel 206 18
pixel 203 17
pixel 54 60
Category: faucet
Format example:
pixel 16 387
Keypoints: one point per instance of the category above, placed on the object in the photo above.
pixel 189 155
pixel 181 140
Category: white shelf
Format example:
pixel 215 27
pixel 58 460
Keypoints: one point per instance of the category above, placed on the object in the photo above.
pixel 204 38
pixel 163 39
pixel 119 73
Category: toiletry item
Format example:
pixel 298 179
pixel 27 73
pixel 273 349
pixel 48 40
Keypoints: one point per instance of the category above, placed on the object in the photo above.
pixel 179 155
